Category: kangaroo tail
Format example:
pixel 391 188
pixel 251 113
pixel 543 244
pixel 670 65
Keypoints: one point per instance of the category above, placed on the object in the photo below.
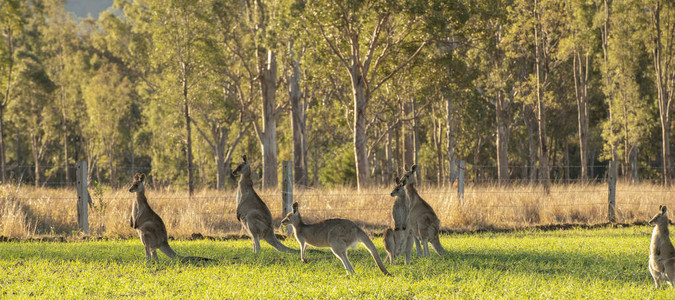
pixel 365 240
pixel 194 259
pixel 271 239
pixel 436 244
pixel 166 249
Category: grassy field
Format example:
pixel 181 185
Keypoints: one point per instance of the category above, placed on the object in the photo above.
pixel 579 263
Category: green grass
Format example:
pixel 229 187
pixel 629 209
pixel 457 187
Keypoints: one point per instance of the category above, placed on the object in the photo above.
pixel 599 263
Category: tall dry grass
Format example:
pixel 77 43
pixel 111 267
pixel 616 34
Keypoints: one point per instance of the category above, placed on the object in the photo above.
pixel 28 211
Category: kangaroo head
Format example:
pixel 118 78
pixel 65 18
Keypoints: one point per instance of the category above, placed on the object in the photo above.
pixel 243 168
pixel 138 186
pixel 399 189
pixel 293 217
pixel 409 176
pixel 661 218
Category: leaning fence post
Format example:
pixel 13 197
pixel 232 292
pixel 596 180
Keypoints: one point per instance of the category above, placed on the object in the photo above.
pixel 613 174
pixel 287 191
pixel 82 197
pixel 460 181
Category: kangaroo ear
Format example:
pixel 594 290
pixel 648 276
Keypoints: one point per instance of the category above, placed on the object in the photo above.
pixel 141 177
pixel 397 180
pixel 295 207
pixel 244 158
pixel 663 209
pixel 137 176
pixel 405 168
pixel 413 168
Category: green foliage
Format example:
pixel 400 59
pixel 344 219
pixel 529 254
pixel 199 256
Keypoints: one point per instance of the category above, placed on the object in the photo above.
pixel 339 170
pixel 113 90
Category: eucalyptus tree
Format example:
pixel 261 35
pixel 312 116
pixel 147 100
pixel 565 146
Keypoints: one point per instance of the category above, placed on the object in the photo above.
pixel 13 15
pixel 662 15
pixel 35 110
pixel 579 44
pixel 176 32
pixel 363 36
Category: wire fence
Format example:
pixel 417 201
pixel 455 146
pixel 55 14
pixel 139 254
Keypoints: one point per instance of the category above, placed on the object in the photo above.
pixel 475 174
pixel 213 212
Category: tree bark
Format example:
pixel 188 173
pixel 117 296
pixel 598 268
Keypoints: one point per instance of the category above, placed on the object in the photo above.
pixel 581 94
pixel 360 139
pixel 528 116
pixel 541 110
pixel 502 116
pixel 3 104
pixel 298 118
pixel 188 132
pixel 664 80
pixel 408 136
pixel 267 68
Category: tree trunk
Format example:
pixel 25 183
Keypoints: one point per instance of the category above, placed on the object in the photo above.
pixel 581 93
pixel 408 138
pixel 36 157
pixel 389 156
pixel 268 86
pixel 664 89
pixel 438 144
pixel 532 148
pixel 221 170
pixel 298 122
pixel 360 138
pixel 502 115
pixel 3 104
pixel 188 132
pixel 567 161
pixel 541 113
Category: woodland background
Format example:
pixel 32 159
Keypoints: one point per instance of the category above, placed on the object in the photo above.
pixel 351 91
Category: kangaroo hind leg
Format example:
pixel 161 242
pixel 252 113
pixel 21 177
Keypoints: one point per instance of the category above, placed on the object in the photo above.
pixel 340 250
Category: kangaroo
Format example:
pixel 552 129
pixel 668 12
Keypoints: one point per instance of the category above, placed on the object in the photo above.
pixel 399 239
pixel 338 234
pixel 150 226
pixel 661 251
pixel 422 219
pixel 252 212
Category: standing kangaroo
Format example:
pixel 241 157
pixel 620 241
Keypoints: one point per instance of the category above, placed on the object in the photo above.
pixel 661 251
pixel 338 234
pixel 150 226
pixel 422 219
pixel 399 239
pixel 252 212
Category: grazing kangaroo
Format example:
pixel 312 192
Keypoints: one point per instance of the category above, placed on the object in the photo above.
pixel 399 239
pixel 661 251
pixel 252 212
pixel 338 234
pixel 150 226
pixel 422 219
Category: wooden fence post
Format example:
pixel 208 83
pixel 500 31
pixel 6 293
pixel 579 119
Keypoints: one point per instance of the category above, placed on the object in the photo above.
pixel 82 197
pixel 287 191
pixel 460 181
pixel 613 174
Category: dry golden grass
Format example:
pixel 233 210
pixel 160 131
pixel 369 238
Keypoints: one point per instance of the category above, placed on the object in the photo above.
pixel 28 211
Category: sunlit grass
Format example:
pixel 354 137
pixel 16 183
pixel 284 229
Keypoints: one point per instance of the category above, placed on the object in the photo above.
pixel 597 264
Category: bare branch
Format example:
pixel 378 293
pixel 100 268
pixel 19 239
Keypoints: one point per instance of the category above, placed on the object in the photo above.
pixel 401 66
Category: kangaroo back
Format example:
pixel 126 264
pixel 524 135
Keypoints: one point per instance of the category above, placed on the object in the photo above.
pixel 365 240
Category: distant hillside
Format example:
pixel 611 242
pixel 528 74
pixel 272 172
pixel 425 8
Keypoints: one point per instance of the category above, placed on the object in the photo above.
pixel 82 8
